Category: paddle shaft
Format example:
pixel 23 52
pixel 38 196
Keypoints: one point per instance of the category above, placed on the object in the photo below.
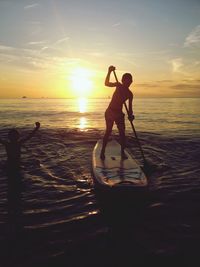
pixel 133 128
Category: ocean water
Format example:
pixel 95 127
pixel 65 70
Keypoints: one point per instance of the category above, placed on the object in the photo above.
pixel 158 115
pixel 55 218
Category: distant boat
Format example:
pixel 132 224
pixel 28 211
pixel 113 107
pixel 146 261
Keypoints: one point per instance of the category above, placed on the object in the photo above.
pixel 24 97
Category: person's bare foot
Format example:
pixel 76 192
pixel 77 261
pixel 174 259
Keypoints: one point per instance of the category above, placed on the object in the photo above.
pixel 124 156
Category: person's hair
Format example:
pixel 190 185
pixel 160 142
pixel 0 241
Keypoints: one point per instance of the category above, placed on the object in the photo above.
pixel 126 76
pixel 13 134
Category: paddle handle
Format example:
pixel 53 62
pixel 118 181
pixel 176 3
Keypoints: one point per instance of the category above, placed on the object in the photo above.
pixel 115 76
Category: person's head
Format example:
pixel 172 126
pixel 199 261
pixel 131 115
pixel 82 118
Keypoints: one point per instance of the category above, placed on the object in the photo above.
pixel 127 79
pixel 13 135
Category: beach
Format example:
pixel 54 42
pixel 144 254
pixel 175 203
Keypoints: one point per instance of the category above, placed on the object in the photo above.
pixel 58 220
pixel 72 72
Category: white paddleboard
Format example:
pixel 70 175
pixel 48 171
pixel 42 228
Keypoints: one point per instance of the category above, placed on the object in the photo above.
pixel 114 171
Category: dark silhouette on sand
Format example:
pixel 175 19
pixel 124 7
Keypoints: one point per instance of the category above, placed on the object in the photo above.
pixel 114 113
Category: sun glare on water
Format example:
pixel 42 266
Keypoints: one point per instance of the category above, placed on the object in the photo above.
pixel 82 84
pixel 82 107
pixel 82 123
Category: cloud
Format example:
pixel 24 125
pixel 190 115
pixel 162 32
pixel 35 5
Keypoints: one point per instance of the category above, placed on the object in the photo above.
pixel 23 59
pixel 6 48
pixel 147 85
pixel 176 63
pixel 96 54
pixel 116 24
pixel 34 22
pixel 37 43
pixel 187 66
pixel 193 39
pixel 31 6
pixel 62 40
pixel 164 81
pixel 186 87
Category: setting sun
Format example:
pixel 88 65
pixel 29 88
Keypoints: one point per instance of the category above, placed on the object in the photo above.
pixel 81 82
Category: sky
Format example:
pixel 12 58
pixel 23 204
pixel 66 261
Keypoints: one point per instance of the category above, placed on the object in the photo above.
pixel 63 48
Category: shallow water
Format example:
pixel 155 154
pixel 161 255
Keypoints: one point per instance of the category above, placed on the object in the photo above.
pixel 58 219
pixel 169 116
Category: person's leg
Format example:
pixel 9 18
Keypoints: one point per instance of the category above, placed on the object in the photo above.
pixel 109 125
pixel 121 129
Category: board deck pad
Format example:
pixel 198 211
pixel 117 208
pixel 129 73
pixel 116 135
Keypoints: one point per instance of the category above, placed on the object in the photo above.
pixel 114 170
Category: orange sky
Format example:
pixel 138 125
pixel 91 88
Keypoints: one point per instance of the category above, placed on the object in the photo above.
pixel 61 50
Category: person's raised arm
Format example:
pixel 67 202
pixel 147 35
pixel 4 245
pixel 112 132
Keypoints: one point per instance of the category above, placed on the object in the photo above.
pixel 37 126
pixel 107 80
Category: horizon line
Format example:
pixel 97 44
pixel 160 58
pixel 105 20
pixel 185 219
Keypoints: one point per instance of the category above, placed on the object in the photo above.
pixel 95 97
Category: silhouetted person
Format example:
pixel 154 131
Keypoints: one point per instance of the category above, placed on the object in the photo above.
pixel 13 146
pixel 114 111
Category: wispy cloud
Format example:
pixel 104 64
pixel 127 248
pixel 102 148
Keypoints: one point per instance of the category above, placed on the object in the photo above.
pixel 116 24
pixel 185 66
pixel 37 43
pixel 23 59
pixel 124 23
pixel 193 39
pixel 186 87
pixel 177 64
pixel 31 6
pixel 96 54
pixel 165 81
pixel 65 39
pixel 147 85
pixel 35 22
pixel 6 48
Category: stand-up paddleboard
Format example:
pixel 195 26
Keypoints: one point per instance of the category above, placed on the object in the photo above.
pixel 114 171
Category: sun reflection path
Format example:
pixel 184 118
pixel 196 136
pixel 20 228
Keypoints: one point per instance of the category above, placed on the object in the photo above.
pixel 82 104
pixel 82 123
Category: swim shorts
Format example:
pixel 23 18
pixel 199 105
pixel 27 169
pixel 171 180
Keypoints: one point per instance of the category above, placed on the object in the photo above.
pixel 112 116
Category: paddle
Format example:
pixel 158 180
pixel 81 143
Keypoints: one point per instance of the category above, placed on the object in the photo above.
pixel 133 128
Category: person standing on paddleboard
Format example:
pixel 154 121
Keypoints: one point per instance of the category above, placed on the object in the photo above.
pixel 114 113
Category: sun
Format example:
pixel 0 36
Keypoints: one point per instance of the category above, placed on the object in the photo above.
pixel 81 82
